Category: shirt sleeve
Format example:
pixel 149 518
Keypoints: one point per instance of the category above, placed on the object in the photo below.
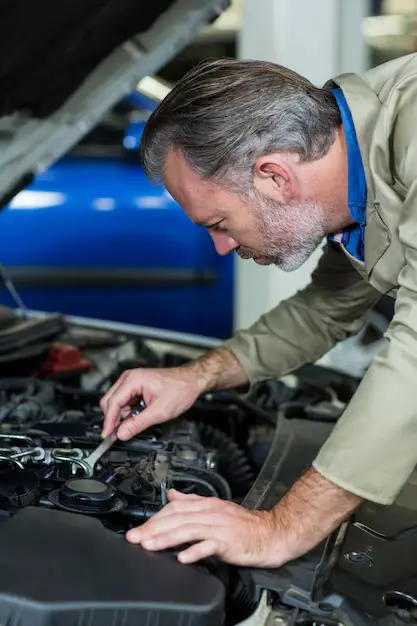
pixel 373 449
pixel 303 328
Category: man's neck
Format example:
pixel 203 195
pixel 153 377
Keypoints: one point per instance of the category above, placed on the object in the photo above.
pixel 335 184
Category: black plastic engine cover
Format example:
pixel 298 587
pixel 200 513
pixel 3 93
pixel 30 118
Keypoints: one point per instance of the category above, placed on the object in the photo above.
pixel 376 564
pixel 64 569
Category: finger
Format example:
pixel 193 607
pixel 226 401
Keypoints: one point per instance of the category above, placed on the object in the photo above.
pixel 108 425
pixel 126 411
pixel 183 533
pixel 194 504
pixel 175 495
pixel 148 417
pixel 123 413
pixel 167 520
pixel 198 551
pixel 134 535
pixel 169 524
pixel 178 496
pixel 109 392
pixel 120 399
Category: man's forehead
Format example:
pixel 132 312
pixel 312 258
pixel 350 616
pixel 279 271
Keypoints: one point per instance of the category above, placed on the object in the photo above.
pixel 179 173
pixel 199 198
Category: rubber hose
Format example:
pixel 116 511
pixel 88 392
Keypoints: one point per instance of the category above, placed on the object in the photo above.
pixel 190 479
pixel 32 396
pixel 233 463
pixel 41 390
pixel 219 483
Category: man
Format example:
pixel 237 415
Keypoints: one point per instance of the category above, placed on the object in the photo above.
pixel 271 165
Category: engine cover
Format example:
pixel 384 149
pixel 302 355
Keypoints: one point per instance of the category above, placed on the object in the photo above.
pixel 44 581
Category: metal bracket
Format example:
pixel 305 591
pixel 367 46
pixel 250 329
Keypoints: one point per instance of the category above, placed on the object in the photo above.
pixel 301 599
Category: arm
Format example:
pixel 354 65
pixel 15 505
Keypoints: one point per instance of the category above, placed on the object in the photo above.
pixel 309 512
pixel 298 331
pixel 217 369
pixel 373 448
pixel 303 328
pixel 167 392
pixel 312 509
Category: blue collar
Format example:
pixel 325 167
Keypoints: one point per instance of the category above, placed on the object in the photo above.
pixel 353 236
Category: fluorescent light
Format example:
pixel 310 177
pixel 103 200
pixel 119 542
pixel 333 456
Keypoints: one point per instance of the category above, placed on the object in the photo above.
pixel 151 202
pixel 104 204
pixel 30 199
pixel 153 87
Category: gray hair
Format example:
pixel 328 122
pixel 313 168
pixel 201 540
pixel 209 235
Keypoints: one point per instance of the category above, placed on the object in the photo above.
pixel 224 114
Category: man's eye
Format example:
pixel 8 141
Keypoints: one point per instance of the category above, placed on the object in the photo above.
pixel 217 228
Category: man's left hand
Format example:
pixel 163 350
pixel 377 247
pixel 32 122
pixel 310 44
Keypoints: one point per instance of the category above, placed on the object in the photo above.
pixel 227 530
pixel 306 515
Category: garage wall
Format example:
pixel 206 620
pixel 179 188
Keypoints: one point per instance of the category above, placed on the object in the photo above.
pixel 326 42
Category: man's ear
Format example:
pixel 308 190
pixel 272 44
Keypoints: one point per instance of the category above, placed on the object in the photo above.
pixel 274 176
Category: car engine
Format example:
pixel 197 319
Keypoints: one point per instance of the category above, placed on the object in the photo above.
pixel 63 514
pixel 50 422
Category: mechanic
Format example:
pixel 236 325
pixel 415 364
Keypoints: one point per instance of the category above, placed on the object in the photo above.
pixel 271 165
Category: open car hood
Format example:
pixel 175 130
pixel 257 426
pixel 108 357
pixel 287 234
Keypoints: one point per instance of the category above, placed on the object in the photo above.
pixel 64 65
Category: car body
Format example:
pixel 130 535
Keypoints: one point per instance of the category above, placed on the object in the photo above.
pixel 91 236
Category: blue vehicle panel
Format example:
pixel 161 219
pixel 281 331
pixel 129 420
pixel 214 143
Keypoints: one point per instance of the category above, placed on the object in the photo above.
pixel 93 237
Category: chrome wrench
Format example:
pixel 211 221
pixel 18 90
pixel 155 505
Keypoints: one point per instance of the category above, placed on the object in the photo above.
pixel 89 462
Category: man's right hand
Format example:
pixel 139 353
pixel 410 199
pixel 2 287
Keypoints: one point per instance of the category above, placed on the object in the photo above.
pixel 166 392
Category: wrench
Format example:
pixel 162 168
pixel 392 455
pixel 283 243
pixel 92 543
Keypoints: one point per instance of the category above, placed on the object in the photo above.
pixel 160 474
pixel 89 462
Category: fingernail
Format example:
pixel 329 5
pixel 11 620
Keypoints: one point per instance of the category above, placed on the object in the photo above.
pixel 149 543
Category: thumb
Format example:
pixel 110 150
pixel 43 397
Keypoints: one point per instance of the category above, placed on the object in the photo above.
pixel 136 424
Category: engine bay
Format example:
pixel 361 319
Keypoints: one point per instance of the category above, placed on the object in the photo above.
pixel 51 421
pixel 47 437
pixel 64 514
pixel 53 377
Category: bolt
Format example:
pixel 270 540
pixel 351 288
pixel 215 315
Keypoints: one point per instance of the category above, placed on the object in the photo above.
pixel 326 606
pixel 359 558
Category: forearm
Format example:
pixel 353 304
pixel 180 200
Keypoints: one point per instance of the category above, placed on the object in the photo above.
pixel 218 369
pixel 309 512
pixel 303 328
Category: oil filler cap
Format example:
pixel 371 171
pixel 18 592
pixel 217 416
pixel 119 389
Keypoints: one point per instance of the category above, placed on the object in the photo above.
pixel 89 496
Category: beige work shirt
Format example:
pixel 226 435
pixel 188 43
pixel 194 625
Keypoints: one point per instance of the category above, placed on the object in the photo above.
pixel 373 448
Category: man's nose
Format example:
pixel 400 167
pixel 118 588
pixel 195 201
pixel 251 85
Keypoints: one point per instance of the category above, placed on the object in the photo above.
pixel 223 243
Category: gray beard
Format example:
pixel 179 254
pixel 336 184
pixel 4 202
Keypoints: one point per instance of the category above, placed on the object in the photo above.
pixel 291 233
